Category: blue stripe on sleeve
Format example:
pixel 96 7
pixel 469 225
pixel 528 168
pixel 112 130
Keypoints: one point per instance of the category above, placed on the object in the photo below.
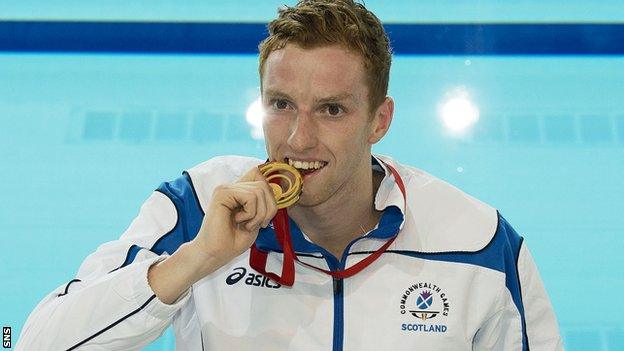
pixel 190 215
pixel 189 218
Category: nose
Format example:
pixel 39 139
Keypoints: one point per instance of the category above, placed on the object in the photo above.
pixel 303 132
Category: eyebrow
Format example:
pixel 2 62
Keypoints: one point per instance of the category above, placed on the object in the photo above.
pixel 329 99
pixel 335 98
pixel 277 93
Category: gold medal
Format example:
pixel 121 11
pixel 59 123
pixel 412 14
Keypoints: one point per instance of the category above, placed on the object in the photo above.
pixel 285 181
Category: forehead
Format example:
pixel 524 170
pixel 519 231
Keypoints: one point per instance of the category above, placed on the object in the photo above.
pixel 327 69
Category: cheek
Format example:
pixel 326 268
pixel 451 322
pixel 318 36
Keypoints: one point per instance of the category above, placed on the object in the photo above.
pixel 275 130
pixel 271 125
pixel 345 142
pixel 352 136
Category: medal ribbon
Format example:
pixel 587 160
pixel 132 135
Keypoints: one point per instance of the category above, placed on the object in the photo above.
pixel 258 258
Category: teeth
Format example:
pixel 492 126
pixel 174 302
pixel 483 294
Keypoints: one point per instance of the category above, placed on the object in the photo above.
pixel 306 164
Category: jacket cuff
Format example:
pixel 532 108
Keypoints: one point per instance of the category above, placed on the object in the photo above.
pixel 143 291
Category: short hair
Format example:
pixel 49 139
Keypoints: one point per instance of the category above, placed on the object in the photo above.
pixel 316 23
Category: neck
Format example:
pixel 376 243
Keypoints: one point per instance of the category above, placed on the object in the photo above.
pixel 333 233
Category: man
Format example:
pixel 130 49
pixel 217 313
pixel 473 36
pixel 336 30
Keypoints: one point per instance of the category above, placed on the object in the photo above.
pixel 413 262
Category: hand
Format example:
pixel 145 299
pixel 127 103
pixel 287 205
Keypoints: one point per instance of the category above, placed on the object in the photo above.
pixel 235 215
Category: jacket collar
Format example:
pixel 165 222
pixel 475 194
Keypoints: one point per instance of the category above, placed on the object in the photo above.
pixel 441 218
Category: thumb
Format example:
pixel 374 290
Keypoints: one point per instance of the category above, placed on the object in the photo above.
pixel 252 175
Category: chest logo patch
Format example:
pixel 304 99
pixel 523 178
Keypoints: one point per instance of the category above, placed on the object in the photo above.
pixel 251 278
pixel 424 302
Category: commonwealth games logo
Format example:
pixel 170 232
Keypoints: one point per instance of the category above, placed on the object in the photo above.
pixel 424 301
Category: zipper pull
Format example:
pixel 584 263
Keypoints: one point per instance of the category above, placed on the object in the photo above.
pixel 337 286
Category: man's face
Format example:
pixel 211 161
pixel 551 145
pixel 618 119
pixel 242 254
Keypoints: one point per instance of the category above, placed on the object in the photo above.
pixel 317 117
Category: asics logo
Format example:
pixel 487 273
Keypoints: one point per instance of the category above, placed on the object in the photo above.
pixel 251 278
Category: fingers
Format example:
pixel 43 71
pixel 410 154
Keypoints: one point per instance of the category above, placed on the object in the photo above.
pixel 244 203
pixel 259 211
pixel 270 202
pixel 259 208
pixel 258 179
pixel 251 204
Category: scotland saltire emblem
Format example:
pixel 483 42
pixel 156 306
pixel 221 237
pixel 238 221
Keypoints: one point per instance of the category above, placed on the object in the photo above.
pixel 423 303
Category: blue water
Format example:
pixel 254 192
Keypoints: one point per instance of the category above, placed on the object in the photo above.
pixel 84 139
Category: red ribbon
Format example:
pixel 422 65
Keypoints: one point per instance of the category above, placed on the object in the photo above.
pixel 258 258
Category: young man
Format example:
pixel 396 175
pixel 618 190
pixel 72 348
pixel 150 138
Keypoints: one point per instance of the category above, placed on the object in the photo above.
pixel 414 262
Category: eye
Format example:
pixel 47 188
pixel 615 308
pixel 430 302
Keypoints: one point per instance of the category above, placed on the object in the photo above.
pixel 280 104
pixel 334 110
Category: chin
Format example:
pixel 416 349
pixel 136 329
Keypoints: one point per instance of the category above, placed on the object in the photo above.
pixel 309 200
pixel 305 201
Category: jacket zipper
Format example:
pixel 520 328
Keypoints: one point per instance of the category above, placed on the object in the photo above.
pixel 338 335
pixel 338 315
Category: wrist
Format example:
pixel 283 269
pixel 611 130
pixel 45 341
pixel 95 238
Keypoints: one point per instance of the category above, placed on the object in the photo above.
pixel 203 261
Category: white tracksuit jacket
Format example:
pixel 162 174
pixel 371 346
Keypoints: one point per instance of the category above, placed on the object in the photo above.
pixel 457 277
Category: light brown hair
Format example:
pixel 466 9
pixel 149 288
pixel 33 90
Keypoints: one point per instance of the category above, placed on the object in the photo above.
pixel 315 23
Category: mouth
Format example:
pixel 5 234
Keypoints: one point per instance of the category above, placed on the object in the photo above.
pixel 306 167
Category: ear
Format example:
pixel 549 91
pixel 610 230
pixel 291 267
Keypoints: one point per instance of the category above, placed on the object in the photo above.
pixel 381 120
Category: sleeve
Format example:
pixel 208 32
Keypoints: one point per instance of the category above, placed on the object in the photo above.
pixel 110 305
pixel 523 317
pixel 542 330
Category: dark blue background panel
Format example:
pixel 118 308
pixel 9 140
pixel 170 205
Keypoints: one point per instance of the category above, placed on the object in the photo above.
pixel 131 37
pixel 243 38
